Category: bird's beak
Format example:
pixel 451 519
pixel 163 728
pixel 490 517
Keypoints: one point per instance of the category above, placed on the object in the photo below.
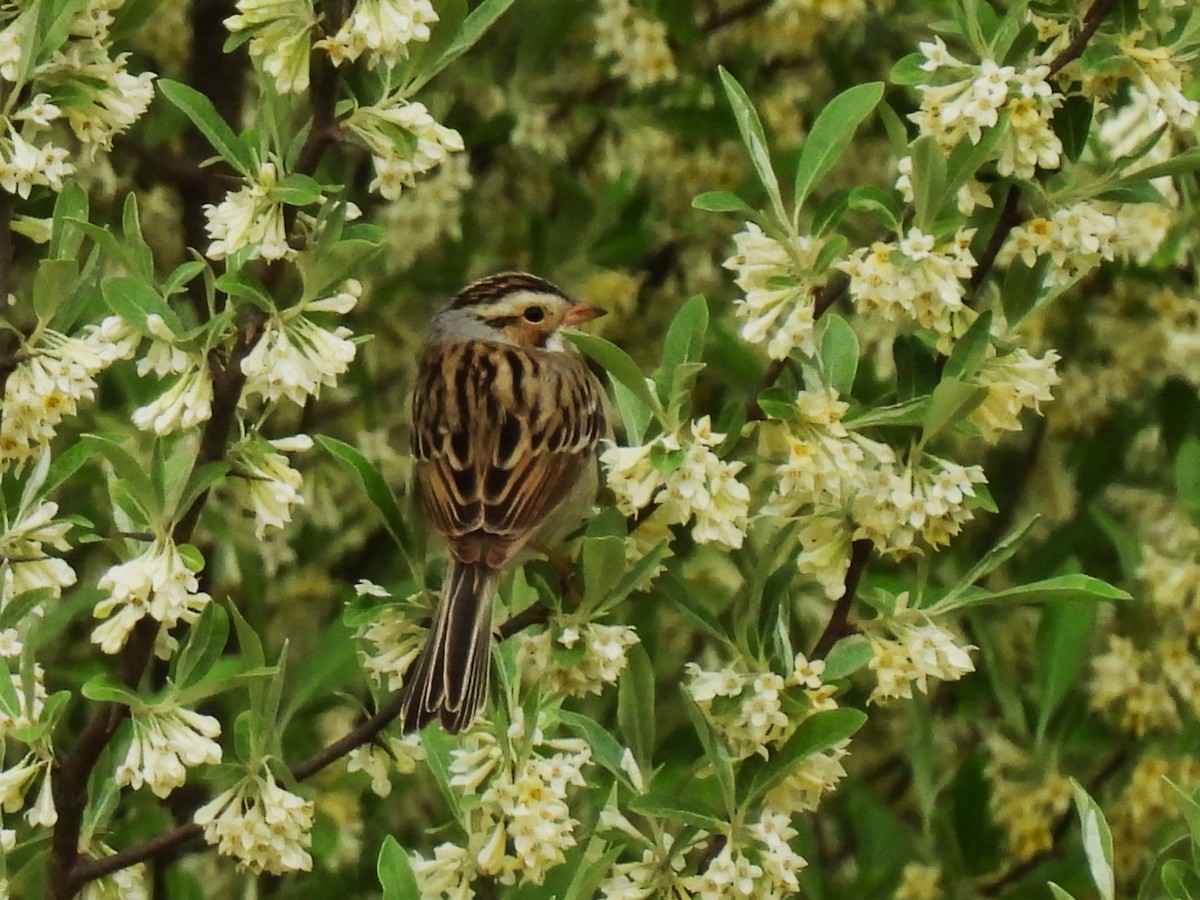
pixel 582 312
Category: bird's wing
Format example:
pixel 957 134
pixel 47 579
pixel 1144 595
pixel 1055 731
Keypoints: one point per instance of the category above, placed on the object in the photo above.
pixel 500 434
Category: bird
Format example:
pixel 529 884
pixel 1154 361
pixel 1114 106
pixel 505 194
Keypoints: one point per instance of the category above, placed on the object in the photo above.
pixel 507 420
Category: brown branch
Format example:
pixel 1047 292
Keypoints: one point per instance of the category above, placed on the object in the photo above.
pixel 1092 20
pixel 10 342
pixel 363 733
pixel 1010 218
pixel 838 625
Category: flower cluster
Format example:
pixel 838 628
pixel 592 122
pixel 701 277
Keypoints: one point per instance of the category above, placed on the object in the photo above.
pixel 260 824
pixel 575 659
pixel 295 356
pixel 1015 382
pixel 927 499
pixel 1075 238
pixel 522 825
pixel 271 487
pixel 156 583
pixel 912 656
pixel 404 141
pixel 656 874
pixel 395 637
pixel 30 703
pixel 779 281
pixel 756 711
pixel 688 483
pixel 54 373
pixel 92 92
pixel 762 864
pixel 963 107
pixel 280 38
pixel 1158 74
pixel 249 218
pixel 166 743
pixel 1027 799
pixel 26 565
pixel 15 783
pixel 636 44
pixel 1134 686
pixel 379 760
pixel 916 280
pixel 382 29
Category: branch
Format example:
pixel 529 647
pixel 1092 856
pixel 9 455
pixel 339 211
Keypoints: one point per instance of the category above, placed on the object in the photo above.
pixel 1092 20
pixel 1010 218
pixel 839 621
pixel 9 342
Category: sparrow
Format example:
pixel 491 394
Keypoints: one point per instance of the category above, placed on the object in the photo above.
pixel 507 418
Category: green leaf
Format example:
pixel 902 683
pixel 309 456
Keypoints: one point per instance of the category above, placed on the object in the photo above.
pixel 838 354
pixel 1059 893
pixel 884 204
pixel 1009 544
pixel 1021 289
pixel 910 412
pixel 10 703
pixel 476 25
pixel 907 70
pixel 677 808
pixel 846 657
pixel 714 749
pixel 970 349
pixel 1191 813
pixel 831 134
pixel 685 337
pixel 1187 471
pixel 1071 123
pixel 817 733
pixel 754 137
pixel 396 875
pixel 604 746
pixel 966 159
pixel 929 181
pixel 691 606
pixel 133 301
pixel 105 688
pixel 204 645
pixel 635 705
pixel 205 117
pixel 16 609
pixel 721 201
pixel 373 484
pixel 829 213
pixel 297 190
pixel 619 365
pixel 1179 164
pixel 1063 648
pixel 952 401
pixel 1049 590
pixel 51 285
pixel 129 472
pixel 1097 841
pixel 635 415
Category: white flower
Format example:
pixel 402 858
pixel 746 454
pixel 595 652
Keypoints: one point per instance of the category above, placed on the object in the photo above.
pixel 382 29
pixel 185 404
pixel 295 356
pixel 261 825
pixel 24 165
pixel 395 638
pixel 925 289
pixel 26 563
pixel 51 379
pixel 600 661
pixel 397 161
pixel 637 44
pixel 1015 382
pixel 778 283
pixel 928 501
pixel 272 487
pixel 918 653
pixel 165 744
pixel 365 588
pixel 156 583
pixel 106 98
pixel 281 38
pixel 248 218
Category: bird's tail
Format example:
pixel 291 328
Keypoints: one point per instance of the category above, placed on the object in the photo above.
pixel 449 679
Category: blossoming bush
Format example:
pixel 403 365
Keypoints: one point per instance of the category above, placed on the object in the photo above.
pixel 893 586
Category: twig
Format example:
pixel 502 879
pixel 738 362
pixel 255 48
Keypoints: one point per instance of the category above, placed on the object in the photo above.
pixel 1010 218
pixel 838 625
pixel 1092 20
pixel 9 341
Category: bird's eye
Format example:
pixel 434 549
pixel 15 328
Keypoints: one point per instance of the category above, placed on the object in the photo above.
pixel 534 314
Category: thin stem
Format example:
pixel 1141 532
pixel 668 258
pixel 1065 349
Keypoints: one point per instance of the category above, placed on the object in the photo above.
pixel 838 625
pixel 1092 20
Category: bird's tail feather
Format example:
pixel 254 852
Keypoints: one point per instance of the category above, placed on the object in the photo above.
pixel 449 679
